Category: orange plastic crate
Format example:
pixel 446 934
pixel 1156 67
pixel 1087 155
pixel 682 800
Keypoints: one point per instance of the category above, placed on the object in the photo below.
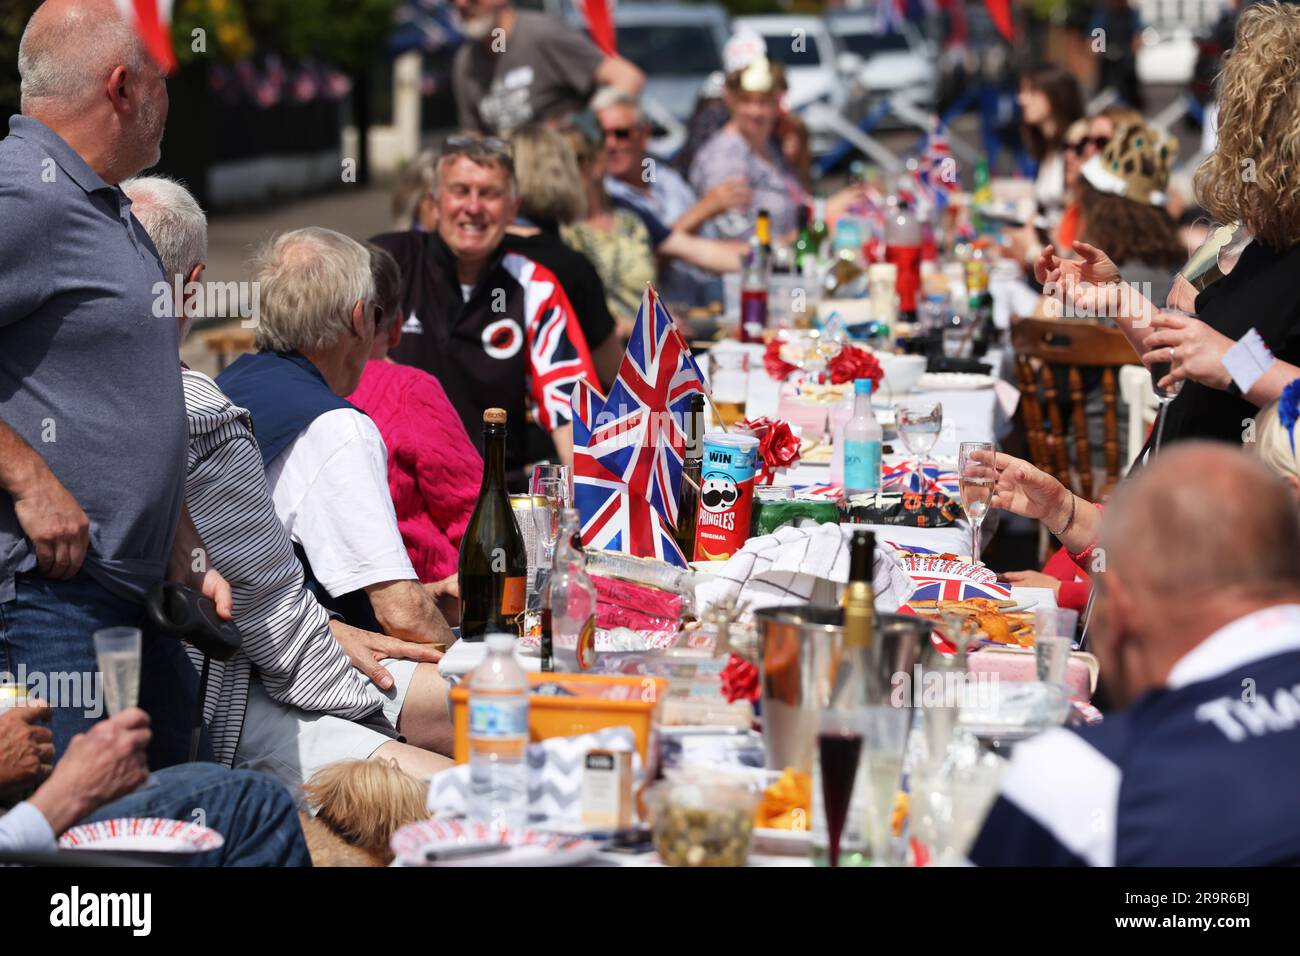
pixel 550 716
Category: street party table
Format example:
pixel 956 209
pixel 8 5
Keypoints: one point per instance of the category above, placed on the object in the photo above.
pixel 972 414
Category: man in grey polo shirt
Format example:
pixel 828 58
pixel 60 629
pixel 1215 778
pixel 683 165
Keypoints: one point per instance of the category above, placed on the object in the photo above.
pixel 92 416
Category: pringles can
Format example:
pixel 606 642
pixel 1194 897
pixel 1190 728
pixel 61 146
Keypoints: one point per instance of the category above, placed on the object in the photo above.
pixel 726 495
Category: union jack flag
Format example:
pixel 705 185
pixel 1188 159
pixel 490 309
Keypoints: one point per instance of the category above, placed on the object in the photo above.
pixel 640 436
pixel 903 477
pixel 942 587
pixel 936 172
pixel 557 352
pixel 628 447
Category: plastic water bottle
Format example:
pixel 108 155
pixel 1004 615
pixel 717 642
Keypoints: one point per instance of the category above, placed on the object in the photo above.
pixel 498 738
pixel 862 440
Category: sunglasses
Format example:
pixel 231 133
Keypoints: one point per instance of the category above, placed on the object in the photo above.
pixel 1100 142
pixel 619 133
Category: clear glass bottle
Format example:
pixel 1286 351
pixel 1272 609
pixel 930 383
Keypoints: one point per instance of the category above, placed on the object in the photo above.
pixel 572 600
pixel 862 437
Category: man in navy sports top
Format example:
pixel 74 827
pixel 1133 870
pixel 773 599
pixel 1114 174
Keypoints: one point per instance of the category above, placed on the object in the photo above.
pixel 1198 633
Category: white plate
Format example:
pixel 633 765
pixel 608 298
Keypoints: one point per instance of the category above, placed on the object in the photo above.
pixel 412 842
pixel 142 834
pixel 954 381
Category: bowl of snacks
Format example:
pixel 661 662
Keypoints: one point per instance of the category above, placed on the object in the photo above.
pixel 703 818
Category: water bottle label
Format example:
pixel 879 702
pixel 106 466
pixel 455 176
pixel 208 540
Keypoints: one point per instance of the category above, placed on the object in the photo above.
pixel 862 465
pixel 498 718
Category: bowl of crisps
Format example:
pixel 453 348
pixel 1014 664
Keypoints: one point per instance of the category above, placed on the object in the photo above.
pixel 783 817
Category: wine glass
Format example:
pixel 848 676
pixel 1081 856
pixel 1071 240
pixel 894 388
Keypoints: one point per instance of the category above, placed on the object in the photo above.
pixel 885 739
pixel 918 425
pixel 550 483
pixel 118 652
pixel 839 750
pixel 977 476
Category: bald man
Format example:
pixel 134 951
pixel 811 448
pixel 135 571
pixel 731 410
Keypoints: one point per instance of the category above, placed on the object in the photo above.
pixel 92 416
pixel 1198 633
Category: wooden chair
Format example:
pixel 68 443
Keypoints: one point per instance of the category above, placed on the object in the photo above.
pixel 1044 346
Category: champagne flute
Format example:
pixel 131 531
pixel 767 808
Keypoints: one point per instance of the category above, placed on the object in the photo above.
pixel 918 425
pixel 885 739
pixel 977 476
pixel 118 652
pixel 550 483
pixel 839 750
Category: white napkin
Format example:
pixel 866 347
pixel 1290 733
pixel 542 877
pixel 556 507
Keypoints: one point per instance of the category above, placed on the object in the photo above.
pixel 796 566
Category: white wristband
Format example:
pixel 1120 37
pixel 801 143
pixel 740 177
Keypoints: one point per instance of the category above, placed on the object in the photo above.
pixel 1248 360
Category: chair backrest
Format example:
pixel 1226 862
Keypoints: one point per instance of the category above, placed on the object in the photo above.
pixel 1045 346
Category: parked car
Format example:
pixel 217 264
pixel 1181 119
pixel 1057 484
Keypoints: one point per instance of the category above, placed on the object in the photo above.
pixel 804 46
pixel 677 46
pixel 885 60
pixel 1168 55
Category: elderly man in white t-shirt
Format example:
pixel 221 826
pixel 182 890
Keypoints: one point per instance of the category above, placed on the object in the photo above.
pixel 327 472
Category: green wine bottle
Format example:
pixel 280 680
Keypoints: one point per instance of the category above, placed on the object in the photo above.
pixel 493 568
pixel 692 466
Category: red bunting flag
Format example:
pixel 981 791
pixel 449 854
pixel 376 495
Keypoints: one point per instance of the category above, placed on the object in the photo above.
pixel 152 20
pixel 599 15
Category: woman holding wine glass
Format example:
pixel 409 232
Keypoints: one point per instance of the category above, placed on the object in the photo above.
pixel 1024 490
pixel 1252 178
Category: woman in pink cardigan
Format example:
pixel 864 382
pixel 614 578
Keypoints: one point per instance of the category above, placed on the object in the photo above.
pixel 434 470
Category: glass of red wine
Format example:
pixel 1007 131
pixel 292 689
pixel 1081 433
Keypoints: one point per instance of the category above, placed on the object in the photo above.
pixel 839 750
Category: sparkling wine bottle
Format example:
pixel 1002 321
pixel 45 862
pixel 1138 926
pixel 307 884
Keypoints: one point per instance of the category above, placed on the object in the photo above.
pixel 493 568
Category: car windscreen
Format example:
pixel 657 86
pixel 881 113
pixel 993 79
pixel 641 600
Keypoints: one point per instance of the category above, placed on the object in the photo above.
pixel 670 49
pixel 792 49
pixel 869 44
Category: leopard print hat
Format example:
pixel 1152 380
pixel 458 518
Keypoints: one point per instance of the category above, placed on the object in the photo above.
pixel 1135 164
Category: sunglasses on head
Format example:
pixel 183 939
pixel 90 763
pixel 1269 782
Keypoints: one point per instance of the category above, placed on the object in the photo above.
pixel 486 147
pixel 1100 142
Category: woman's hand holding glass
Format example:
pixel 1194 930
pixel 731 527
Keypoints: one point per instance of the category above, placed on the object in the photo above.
pixel 1193 350
pixel 1030 492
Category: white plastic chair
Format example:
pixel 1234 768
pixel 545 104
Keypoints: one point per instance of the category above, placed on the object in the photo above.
pixel 1135 388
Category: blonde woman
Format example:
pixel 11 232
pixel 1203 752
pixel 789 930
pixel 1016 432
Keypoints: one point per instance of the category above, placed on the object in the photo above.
pixel 615 239
pixel 552 195
pixel 1252 177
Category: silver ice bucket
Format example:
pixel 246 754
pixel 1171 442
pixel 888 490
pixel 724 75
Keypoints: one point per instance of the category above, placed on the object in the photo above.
pixel 802 653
